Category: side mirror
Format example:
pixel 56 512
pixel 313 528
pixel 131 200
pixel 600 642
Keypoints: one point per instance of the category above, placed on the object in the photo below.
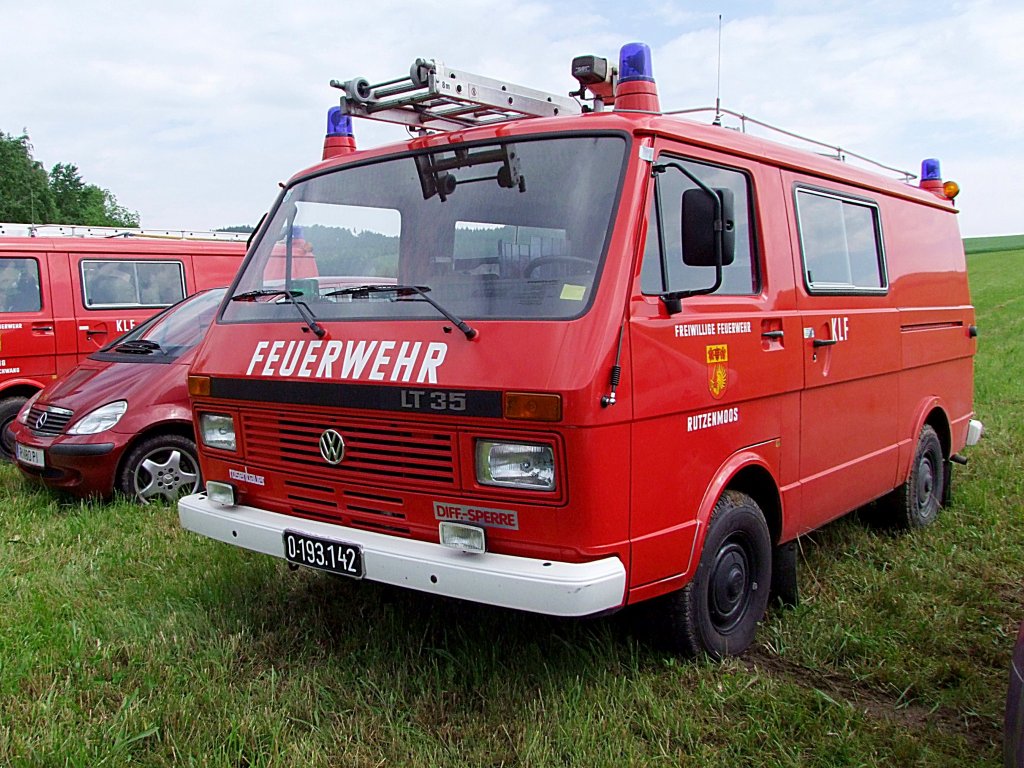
pixel 698 225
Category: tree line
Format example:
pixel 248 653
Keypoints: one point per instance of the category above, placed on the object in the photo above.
pixel 31 195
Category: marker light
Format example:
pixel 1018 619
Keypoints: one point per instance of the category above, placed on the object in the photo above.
pixel 199 386
pixel 635 63
pixel 951 189
pixel 533 406
pixel 930 170
pixel 338 123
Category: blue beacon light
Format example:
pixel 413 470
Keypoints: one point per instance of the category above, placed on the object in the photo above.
pixel 338 123
pixel 930 170
pixel 635 63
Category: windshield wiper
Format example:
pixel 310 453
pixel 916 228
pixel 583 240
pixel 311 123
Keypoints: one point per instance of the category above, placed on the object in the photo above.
pixel 292 298
pixel 406 290
pixel 137 347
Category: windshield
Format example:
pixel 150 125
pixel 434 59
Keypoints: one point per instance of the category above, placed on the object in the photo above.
pixel 497 231
pixel 170 334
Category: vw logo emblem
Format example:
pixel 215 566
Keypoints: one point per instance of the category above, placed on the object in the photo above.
pixel 332 446
pixel 41 421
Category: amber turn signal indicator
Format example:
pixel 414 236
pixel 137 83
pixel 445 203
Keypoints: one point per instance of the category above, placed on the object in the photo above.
pixel 199 386
pixel 951 189
pixel 533 406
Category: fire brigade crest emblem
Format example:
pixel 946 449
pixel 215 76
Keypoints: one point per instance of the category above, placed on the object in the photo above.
pixel 718 368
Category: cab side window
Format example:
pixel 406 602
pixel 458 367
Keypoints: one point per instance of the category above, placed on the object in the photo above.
pixel 19 286
pixel 125 283
pixel 840 243
pixel 738 278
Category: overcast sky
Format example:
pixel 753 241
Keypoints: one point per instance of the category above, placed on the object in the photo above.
pixel 192 112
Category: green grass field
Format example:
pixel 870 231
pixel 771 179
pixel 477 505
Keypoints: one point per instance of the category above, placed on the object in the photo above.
pixel 125 641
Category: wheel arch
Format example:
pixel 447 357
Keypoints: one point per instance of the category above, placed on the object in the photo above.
pixel 21 388
pixel 181 428
pixel 930 412
pixel 750 472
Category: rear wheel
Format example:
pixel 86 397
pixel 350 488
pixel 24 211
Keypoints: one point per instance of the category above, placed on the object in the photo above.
pixel 9 408
pixel 717 613
pixel 162 468
pixel 916 503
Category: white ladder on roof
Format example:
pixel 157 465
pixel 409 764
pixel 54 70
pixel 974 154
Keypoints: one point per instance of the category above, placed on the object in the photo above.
pixel 435 97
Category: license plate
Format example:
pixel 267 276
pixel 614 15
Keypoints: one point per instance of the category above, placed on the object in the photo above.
pixel 34 457
pixel 324 554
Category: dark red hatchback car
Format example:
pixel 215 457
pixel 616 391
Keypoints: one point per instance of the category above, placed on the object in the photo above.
pixel 121 420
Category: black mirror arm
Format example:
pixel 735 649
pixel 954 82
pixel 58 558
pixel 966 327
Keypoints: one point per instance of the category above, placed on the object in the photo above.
pixel 673 299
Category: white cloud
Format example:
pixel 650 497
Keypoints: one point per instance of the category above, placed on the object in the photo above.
pixel 192 113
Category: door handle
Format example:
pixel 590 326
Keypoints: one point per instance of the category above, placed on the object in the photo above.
pixel 90 333
pixel 773 334
pixel 43 328
pixel 824 342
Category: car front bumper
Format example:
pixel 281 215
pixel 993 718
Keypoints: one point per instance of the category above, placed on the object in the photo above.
pixel 541 586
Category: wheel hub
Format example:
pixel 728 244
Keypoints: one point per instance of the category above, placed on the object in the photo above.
pixel 730 586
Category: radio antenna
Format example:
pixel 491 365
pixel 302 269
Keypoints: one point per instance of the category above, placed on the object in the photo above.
pixel 718 86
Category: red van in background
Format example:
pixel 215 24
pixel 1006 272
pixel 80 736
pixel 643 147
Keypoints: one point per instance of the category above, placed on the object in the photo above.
pixel 66 292
pixel 121 419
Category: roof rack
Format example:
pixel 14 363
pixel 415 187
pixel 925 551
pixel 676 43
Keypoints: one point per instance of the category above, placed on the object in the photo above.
pixel 79 230
pixel 435 97
pixel 834 150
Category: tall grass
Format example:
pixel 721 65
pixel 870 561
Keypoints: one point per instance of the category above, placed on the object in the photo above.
pixel 127 641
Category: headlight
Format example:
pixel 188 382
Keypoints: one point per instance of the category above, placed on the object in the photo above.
pixel 515 465
pixel 218 430
pixel 100 420
pixel 23 413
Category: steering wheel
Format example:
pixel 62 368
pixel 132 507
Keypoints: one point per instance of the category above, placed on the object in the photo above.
pixel 569 261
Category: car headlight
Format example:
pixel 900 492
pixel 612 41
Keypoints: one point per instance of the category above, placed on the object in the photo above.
pixel 103 418
pixel 23 413
pixel 515 465
pixel 218 430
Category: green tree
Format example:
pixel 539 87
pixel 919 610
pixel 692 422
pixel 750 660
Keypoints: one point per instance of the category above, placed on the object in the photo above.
pixel 30 195
pixel 25 195
pixel 81 203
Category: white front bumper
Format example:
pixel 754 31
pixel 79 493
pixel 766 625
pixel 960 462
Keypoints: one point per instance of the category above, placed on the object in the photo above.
pixel 541 586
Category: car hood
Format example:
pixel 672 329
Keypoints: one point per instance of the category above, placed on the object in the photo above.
pixel 95 383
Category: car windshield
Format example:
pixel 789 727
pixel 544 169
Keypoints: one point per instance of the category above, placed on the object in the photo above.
pixel 497 231
pixel 171 333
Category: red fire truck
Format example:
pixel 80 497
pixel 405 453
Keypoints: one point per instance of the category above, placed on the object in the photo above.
pixel 566 359
pixel 68 291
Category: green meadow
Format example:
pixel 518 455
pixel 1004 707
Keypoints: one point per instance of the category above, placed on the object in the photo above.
pixel 126 641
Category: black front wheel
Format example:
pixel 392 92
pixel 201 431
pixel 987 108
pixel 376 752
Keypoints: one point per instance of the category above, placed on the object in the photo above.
pixel 162 467
pixel 717 613
pixel 9 408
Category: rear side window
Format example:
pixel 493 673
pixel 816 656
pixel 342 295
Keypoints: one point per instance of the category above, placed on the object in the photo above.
pixel 840 243
pixel 19 285
pixel 125 283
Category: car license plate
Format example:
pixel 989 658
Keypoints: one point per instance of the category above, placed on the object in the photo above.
pixel 326 555
pixel 34 457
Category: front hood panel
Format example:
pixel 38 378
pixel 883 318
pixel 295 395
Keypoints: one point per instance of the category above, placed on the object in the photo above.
pixel 94 383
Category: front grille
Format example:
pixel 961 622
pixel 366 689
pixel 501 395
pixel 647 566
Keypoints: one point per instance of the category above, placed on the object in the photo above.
pixel 384 512
pixel 48 420
pixel 375 452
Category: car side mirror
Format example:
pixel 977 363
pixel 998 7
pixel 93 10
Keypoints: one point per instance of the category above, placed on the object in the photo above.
pixel 698 228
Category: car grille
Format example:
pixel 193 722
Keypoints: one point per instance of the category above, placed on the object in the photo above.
pixel 378 452
pixel 48 420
